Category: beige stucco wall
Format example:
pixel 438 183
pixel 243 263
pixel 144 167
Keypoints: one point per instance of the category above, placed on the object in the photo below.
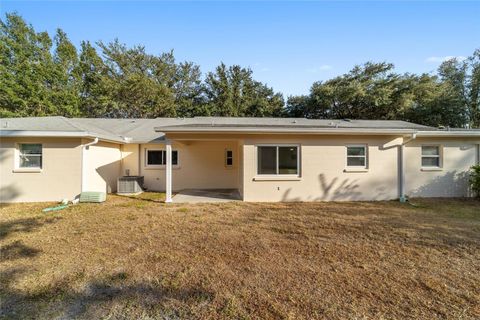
pixel 458 154
pixel 59 178
pixel 201 165
pixel 103 166
pixel 131 159
pixel 323 176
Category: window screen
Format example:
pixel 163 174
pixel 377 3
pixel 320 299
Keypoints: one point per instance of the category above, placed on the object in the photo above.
pixel 30 155
pixel 356 156
pixel 430 156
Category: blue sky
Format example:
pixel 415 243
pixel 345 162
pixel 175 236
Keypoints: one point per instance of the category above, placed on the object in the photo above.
pixel 288 45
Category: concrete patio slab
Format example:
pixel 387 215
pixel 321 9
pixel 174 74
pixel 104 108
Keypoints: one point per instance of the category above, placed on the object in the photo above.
pixel 206 195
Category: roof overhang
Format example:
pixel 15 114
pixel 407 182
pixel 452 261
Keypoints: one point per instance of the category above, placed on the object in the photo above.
pixel 257 130
pixel 55 134
pixel 459 134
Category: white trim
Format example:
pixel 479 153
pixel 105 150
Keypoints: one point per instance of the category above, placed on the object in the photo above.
pixel 365 156
pixel 26 170
pixel 426 169
pixel 277 145
pixel 355 169
pixel 280 177
pixel 256 130
pixel 57 134
pixel 27 133
pixel 427 134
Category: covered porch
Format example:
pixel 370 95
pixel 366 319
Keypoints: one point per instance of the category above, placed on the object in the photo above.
pixel 202 169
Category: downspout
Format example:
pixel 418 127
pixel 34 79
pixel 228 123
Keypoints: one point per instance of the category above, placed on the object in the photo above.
pixel 478 154
pixel 84 160
pixel 402 158
pixel 139 162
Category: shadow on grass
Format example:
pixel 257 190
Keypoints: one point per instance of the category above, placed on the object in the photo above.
pixel 96 300
pixel 17 250
pixel 24 225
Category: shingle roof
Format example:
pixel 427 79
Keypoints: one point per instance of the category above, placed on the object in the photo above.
pixel 152 130
pixel 38 124
pixel 231 122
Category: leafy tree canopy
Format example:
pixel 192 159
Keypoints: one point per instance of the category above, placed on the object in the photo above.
pixel 41 75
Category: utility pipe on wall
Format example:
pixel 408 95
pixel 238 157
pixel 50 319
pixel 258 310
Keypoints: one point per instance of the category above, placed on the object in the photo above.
pixel 478 154
pixel 168 172
pixel 402 158
pixel 84 160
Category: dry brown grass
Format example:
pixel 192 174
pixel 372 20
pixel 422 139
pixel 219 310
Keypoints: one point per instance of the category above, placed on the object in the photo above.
pixel 138 258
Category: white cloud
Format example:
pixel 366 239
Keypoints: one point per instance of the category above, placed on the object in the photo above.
pixel 442 59
pixel 323 67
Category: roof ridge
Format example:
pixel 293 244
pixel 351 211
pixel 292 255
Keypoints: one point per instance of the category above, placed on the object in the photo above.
pixel 72 124
pixel 141 126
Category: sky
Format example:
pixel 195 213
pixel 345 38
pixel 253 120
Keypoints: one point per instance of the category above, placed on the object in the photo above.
pixel 288 45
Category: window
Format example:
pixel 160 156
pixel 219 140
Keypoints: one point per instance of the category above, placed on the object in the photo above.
pixel 229 158
pixel 30 156
pixel 357 156
pixel 430 156
pixel 159 157
pixel 278 160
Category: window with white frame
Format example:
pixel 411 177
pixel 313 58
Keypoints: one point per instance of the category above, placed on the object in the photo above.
pixel 431 156
pixel 278 160
pixel 30 155
pixel 228 158
pixel 159 157
pixel 357 156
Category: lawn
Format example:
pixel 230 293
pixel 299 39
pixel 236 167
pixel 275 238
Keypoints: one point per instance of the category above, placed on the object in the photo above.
pixel 140 258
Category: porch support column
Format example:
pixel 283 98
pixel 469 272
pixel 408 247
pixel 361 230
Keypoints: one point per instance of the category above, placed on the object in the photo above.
pixel 168 172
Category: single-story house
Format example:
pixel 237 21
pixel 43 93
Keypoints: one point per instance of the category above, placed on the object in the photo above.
pixel 265 159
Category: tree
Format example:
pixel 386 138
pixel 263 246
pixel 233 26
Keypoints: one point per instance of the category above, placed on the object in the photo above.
pixel 94 98
pixel 370 91
pixel 375 91
pixel 26 66
pixel 188 90
pixel 66 77
pixel 462 83
pixel 40 77
pixel 299 107
pixel 233 92
pixel 139 84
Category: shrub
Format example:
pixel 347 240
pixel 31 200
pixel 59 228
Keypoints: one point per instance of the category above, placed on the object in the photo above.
pixel 475 179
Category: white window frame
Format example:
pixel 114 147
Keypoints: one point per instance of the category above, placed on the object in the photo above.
pixel 161 166
pixel 277 145
pixel 18 168
pixel 227 157
pixel 365 147
pixel 439 156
